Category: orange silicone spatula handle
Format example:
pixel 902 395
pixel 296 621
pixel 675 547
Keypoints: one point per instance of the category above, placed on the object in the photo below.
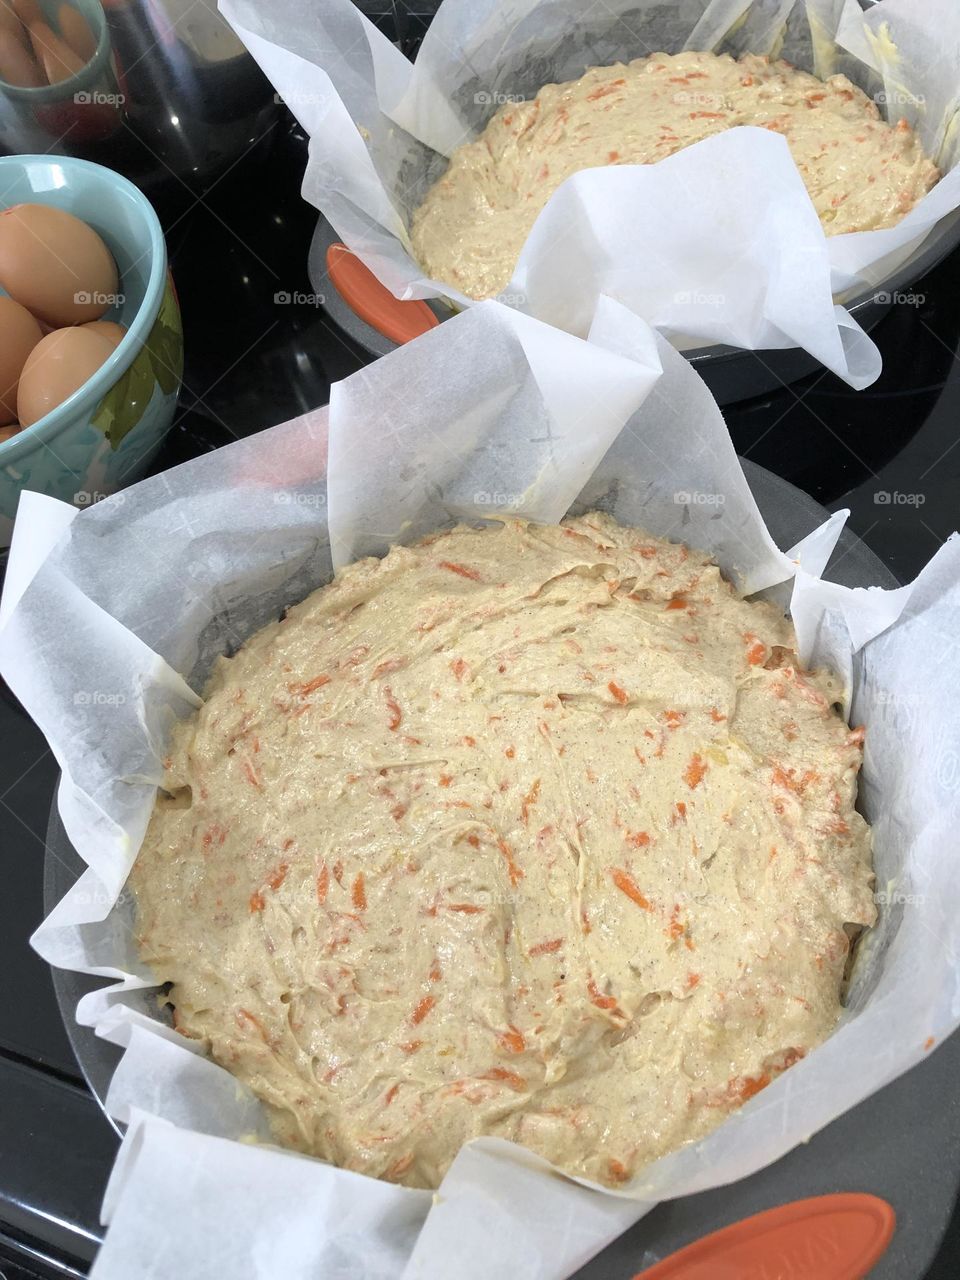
pixel 836 1237
pixel 373 302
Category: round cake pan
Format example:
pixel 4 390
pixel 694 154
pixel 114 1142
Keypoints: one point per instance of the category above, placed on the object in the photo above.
pixel 789 513
pixel 732 373
pixel 902 1144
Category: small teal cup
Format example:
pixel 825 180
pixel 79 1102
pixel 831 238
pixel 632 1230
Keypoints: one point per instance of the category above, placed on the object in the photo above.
pixel 106 434
pixel 84 108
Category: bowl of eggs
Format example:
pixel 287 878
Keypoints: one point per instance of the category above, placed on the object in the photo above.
pixel 91 346
pixel 58 72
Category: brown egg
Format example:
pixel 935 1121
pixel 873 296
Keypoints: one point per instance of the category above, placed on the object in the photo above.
pixel 56 367
pixel 19 334
pixel 109 329
pixel 9 20
pixel 55 265
pixel 27 11
pixel 17 65
pixel 58 60
pixel 75 31
pixel 7 433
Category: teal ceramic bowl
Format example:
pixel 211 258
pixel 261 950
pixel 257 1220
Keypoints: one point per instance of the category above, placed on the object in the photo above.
pixel 105 435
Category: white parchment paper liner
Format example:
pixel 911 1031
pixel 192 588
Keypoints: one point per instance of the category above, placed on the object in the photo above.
pixel 108 611
pixel 717 244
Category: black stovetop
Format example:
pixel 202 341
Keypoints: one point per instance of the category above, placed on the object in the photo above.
pixel 890 453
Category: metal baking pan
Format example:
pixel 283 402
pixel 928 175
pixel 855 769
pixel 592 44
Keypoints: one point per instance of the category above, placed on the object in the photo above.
pixel 902 1144
pixel 732 373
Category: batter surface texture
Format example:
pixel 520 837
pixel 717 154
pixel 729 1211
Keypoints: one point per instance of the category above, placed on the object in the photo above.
pixel 861 172
pixel 531 831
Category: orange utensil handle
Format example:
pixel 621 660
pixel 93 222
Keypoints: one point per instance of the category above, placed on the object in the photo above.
pixel 836 1237
pixel 373 302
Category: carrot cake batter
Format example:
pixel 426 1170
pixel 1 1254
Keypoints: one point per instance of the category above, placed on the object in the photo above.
pixel 861 172
pixel 533 831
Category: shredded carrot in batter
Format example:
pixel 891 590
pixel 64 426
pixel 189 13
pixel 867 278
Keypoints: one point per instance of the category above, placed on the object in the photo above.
pixel 626 884
pixel 509 1078
pixel 393 706
pixel 598 998
pixel 545 948
pixel 694 773
pixel 323 884
pixel 605 90
pixel 529 799
pixel 512 1040
pixel 516 873
pixel 422 1009
pixel 463 570
pixel 359 893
